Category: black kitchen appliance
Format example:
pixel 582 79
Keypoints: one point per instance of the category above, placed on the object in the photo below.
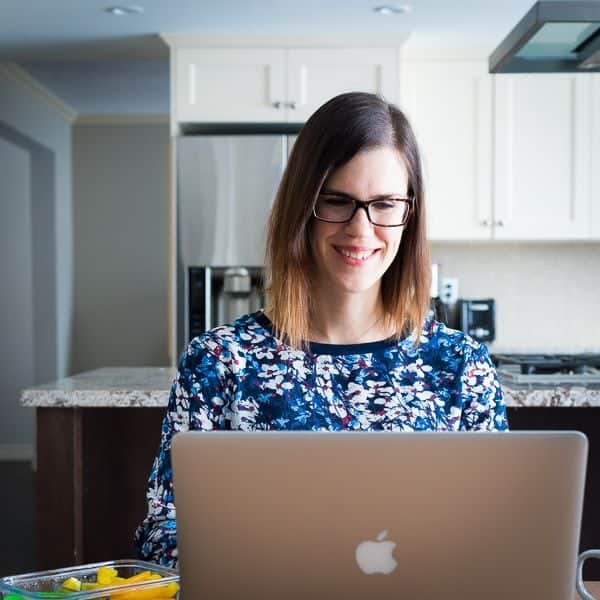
pixel 478 318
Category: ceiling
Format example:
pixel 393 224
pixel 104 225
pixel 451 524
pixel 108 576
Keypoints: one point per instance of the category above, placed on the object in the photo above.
pixel 33 30
pixel 99 63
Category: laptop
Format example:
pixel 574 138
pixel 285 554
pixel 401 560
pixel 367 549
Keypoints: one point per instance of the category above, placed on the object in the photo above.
pixel 378 515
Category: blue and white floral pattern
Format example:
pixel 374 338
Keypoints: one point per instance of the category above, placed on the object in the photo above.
pixel 242 377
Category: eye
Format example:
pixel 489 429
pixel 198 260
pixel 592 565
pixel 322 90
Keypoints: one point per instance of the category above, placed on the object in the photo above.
pixel 384 205
pixel 335 201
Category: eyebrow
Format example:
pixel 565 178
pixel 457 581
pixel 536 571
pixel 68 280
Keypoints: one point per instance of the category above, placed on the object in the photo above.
pixel 332 192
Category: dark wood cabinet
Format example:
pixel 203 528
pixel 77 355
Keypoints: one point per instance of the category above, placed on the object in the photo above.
pixel 93 466
pixel 92 470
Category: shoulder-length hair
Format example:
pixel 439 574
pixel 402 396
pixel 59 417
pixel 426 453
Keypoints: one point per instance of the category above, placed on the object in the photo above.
pixel 344 126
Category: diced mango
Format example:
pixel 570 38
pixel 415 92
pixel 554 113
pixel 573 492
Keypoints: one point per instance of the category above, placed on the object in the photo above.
pixel 164 591
pixel 87 586
pixel 109 577
pixel 106 575
pixel 143 576
pixel 72 584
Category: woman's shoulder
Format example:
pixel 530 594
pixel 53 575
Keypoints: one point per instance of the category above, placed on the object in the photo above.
pixel 439 339
pixel 245 332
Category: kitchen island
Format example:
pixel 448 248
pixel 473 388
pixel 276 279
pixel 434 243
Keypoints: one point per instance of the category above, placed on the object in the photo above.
pixel 149 387
pixel 98 432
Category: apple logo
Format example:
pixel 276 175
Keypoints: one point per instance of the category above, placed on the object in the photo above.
pixel 376 557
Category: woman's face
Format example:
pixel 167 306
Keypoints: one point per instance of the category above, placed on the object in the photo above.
pixel 352 257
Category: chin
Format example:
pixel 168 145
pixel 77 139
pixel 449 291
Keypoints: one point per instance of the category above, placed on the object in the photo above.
pixel 354 286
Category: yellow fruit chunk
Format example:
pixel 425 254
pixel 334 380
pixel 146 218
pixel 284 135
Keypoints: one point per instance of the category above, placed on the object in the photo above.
pixel 164 591
pixel 168 591
pixel 86 586
pixel 72 584
pixel 143 576
pixel 106 575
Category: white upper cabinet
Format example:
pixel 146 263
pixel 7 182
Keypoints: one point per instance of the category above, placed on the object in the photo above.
pixel 542 148
pixel 506 157
pixel 317 74
pixel 449 104
pixel 230 85
pixel 273 84
pixel 595 163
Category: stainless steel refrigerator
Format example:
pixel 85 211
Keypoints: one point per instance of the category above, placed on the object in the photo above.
pixel 225 188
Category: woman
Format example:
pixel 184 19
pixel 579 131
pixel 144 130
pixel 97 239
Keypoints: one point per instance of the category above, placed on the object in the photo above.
pixel 345 342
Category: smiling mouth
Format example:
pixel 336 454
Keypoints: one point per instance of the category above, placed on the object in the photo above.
pixel 361 255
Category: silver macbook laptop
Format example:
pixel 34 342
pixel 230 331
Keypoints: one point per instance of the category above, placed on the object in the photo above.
pixel 319 516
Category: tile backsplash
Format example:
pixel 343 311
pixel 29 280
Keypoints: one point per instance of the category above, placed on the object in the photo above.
pixel 547 295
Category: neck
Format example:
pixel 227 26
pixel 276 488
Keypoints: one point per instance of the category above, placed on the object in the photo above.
pixel 348 319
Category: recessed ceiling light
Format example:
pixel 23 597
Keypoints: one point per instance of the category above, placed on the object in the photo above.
pixel 392 9
pixel 121 11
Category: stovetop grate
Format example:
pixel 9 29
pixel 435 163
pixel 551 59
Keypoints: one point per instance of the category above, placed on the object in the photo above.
pixel 549 369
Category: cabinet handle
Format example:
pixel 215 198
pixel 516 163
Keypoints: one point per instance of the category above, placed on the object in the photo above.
pixel 277 104
pixel 499 223
pixel 485 223
pixel 293 105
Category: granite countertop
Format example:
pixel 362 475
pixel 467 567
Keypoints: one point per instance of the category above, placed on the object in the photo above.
pixel 563 395
pixel 150 386
pixel 112 386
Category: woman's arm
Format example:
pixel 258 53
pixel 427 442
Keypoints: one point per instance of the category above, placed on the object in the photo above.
pixel 483 407
pixel 198 400
pixel 155 538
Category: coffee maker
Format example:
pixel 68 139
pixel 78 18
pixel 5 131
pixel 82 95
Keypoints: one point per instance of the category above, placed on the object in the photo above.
pixel 473 316
pixel 478 318
pixel 219 295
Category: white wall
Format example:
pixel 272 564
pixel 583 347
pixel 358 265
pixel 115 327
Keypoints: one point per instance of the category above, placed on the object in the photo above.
pixel 36 256
pixel 547 295
pixel 16 297
pixel 118 87
pixel 117 313
pixel 120 224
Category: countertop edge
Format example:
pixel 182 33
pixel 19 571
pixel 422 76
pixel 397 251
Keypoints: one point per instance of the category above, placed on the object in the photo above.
pixel 149 387
pixel 94 399
pixel 40 398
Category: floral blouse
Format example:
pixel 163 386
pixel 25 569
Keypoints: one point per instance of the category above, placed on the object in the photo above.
pixel 242 377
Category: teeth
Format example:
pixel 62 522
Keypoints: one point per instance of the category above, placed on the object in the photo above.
pixel 356 255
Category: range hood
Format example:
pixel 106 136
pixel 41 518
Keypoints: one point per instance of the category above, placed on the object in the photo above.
pixel 553 37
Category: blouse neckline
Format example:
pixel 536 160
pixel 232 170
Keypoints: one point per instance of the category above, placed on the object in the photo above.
pixel 332 349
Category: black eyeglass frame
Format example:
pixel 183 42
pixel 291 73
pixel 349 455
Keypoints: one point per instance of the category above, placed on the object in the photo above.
pixel 362 204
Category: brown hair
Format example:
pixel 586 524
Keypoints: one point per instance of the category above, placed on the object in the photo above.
pixel 338 130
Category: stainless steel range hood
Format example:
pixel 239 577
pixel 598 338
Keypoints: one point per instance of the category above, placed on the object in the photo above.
pixel 553 37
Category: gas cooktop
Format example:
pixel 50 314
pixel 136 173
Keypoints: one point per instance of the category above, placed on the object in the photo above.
pixel 549 368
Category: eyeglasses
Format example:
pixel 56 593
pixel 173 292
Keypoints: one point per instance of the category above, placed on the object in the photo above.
pixel 335 208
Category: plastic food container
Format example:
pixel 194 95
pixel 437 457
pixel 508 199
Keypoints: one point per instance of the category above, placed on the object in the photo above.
pixel 50 584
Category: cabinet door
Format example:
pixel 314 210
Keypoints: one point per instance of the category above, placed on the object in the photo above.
pixel 317 74
pixel 542 156
pixel 595 163
pixel 449 104
pixel 230 85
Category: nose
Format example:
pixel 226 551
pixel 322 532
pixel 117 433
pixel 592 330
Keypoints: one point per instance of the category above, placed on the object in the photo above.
pixel 359 221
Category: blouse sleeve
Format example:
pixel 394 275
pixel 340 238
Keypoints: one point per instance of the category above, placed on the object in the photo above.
pixel 483 407
pixel 197 401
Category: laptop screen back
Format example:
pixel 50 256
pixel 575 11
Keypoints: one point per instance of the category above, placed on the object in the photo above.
pixel 321 515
